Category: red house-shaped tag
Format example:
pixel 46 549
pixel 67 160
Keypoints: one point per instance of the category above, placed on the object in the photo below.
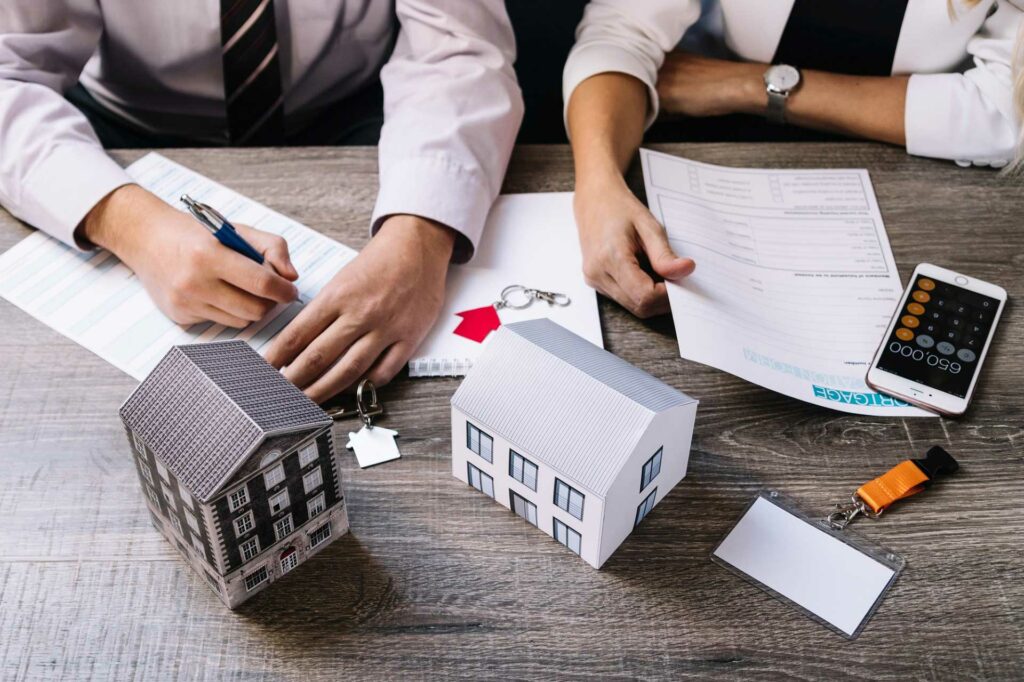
pixel 478 323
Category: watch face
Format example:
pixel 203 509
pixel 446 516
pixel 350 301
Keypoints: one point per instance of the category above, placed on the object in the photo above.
pixel 782 77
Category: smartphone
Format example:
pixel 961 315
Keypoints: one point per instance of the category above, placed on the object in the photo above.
pixel 936 342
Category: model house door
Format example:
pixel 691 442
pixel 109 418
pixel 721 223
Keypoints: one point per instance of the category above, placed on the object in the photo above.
pixel 480 481
pixel 523 507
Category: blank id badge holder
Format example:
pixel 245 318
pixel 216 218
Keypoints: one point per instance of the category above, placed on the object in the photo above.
pixel 816 564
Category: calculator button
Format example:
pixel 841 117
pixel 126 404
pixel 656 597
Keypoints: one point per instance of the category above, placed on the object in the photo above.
pixel 925 341
pixel 966 354
pixel 904 334
pixel 961 309
pixel 951 336
pixel 972 342
pixel 945 348
pixel 925 284
pixel 930 328
pixel 935 316
pixel 955 322
pixel 910 321
pixel 915 309
pixel 979 316
pixel 921 296
pixel 974 328
pixel 939 302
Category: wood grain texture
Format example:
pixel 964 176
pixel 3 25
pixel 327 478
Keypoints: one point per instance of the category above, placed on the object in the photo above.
pixel 436 581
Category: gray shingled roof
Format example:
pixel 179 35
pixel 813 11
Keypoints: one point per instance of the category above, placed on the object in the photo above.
pixel 206 407
pixel 575 407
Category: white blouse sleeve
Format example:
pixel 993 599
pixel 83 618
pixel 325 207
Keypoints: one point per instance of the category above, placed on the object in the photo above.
pixel 630 37
pixel 970 117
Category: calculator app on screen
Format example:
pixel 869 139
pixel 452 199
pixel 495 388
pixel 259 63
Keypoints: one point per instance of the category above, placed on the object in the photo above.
pixel 939 335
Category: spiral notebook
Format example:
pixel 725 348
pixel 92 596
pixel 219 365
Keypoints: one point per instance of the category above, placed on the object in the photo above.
pixel 530 240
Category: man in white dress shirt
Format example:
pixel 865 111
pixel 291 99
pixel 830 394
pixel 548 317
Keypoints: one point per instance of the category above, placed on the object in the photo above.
pixel 263 72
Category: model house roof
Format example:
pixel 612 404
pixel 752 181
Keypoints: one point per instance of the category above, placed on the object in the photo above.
pixel 205 408
pixel 575 407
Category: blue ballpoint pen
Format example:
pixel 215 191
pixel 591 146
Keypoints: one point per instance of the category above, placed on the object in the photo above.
pixel 220 227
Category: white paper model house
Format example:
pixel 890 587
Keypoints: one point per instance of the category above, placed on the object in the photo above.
pixel 575 440
pixel 237 465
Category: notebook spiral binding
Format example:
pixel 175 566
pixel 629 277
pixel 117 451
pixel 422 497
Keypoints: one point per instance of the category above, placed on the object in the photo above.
pixel 439 367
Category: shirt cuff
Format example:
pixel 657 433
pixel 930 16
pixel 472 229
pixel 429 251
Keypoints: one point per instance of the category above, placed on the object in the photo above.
pixel 594 59
pixel 946 118
pixel 438 190
pixel 63 187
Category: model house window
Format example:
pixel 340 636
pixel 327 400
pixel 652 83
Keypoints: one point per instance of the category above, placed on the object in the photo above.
pixel 238 498
pixel 308 455
pixel 313 480
pixel 198 544
pixel 212 580
pixel 279 502
pixel 645 507
pixel 568 537
pixel 249 548
pixel 256 578
pixel 153 497
pixel 274 476
pixel 316 505
pixel 147 473
pixel 479 442
pixel 522 469
pixel 192 522
pixel 319 535
pixel 480 480
pixel 652 468
pixel 140 447
pixel 523 507
pixel 283 526
pixel 289 561
pixel 175 523
pixel 162 470
pixel 185 496
pixel 244 524
pixel 568 498
pixel 168 495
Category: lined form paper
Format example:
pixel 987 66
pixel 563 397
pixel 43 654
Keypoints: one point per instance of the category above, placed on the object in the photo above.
pixel 95 300
pixel 795 281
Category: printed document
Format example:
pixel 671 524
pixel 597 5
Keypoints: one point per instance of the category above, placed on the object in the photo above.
pixel 95 300
pixel 795 281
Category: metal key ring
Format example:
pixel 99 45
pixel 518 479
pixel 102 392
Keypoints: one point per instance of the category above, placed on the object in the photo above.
pixel 374 409
pixel 507 293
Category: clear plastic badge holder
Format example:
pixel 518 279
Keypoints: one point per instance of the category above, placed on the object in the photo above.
pixel 835 577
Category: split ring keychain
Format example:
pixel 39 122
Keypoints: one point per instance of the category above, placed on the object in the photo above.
pixel 479 322
pixel 371 444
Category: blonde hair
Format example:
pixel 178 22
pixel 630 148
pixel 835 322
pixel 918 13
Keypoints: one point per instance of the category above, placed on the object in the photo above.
pixel 1017 165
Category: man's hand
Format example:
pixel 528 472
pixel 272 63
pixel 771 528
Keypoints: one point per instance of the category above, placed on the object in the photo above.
pixel 616 230
pixel 699 86
pixel 189 274
pixel 369 319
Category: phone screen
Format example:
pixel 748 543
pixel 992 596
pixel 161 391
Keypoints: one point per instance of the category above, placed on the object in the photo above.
pixel 940 333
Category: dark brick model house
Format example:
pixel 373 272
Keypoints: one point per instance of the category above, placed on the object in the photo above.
pixel 238 466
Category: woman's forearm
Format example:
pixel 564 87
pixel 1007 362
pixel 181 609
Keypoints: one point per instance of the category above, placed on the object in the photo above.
pixel 606 124
pixel 871 107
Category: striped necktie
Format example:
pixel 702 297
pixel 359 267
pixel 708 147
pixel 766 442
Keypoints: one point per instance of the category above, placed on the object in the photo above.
pixel 252 72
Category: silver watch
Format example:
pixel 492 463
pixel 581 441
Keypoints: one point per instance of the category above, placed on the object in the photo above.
pixel 779 81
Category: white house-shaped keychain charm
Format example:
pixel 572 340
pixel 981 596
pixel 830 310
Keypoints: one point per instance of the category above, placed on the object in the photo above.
pixel 371 444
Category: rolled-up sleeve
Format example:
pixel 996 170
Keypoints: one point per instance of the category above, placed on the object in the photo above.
pixel 630 37
pixel 53 169
pixel 970 117
pixel 452 108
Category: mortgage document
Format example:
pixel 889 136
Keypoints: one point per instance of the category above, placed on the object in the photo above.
pixel 795 281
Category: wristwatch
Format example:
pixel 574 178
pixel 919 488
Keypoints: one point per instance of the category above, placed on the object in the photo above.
pixel 779 81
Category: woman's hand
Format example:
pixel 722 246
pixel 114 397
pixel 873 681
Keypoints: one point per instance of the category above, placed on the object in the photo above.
pixel 698 86
pixel 617 232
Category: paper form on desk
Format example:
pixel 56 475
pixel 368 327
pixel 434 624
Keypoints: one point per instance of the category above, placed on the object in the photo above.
pixel 96 301
pixel 795 281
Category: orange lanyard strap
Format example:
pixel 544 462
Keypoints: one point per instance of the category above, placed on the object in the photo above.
pixel 907 478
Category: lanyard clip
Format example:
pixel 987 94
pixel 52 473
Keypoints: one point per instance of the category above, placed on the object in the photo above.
pixel 844 514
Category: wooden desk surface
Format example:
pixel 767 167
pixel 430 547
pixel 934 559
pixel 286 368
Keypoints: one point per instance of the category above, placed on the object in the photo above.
pixel 436 580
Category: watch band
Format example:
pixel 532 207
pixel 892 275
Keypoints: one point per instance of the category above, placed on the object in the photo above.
pixel 777 107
